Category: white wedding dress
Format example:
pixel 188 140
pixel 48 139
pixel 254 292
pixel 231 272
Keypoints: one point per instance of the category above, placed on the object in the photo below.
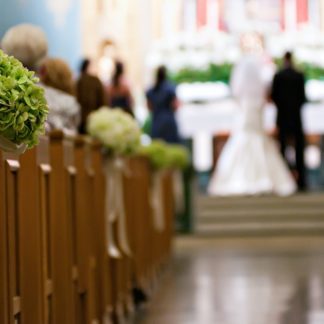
pixel 250 163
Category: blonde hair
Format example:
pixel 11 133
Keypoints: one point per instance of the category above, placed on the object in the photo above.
pixel 56 73
pixel 26 42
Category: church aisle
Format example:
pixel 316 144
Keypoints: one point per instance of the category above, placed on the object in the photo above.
pixel 241 281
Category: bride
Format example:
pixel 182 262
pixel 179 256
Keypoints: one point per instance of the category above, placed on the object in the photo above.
pixel 250 162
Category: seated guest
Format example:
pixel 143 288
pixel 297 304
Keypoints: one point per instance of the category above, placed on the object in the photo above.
pixel 64 110
pixel 119 94
pixel 90 93
pixel 27 43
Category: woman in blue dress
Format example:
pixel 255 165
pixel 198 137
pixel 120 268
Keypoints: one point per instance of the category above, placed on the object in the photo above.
pixel 162 102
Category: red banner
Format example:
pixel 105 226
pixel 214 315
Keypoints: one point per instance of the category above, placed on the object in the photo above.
pixel 302 11
pixel 221 21
pixel 282 14
pixel 201 13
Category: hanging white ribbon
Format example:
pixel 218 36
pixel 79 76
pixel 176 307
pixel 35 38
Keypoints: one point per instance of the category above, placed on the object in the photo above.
pixel 113 250
pixel 9 146
pixel 157 201
pixel 178 191
pixel 115 208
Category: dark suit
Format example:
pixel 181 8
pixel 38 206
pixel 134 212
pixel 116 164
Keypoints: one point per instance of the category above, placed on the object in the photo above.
pixel 288 93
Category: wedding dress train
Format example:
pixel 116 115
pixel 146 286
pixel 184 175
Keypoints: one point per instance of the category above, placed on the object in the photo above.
pixel 250 163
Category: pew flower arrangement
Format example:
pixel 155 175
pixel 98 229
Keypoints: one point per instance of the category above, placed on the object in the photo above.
pixel 23 107
pixel 163 155
pixel 115 129
pixel 156 152
pixel 179 156
pixel 119 133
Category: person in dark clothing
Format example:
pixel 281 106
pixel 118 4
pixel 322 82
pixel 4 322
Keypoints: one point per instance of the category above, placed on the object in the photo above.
pixel 90 93
pixel 288 94
pixel 119 93
pixel 162 101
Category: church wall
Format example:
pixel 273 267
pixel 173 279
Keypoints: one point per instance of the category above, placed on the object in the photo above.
pixel 60 19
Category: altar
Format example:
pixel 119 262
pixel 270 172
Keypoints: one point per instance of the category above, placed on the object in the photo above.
pixel 221 116
pixel 205 122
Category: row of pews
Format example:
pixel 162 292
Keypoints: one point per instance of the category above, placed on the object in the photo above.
pixel 78 235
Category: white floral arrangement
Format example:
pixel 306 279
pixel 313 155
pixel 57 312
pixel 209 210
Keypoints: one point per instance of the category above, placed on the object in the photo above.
pixel 27 43
pixel 116 130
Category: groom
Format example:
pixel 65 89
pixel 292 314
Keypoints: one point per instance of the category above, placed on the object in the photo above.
pixel 288 93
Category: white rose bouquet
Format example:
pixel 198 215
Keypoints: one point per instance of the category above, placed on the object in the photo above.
pixel 115 129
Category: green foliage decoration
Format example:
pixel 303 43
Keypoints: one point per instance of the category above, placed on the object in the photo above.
pixel 222 72
pixel 213 73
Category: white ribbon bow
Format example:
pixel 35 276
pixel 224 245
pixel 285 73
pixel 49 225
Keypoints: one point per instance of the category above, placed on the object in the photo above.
pixel 157 201
pixel 115 208
pixel 9 146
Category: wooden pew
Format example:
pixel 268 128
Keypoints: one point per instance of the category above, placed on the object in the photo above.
pixel 161 237
pixel 169 216
pixel 10 247
pixel 116 257
pixel 100 233
pixel 136 224
pixel 67 309
pixel 96 313
pixel 22 276
pixel 129 200
pixel 140 224
pixel 82 223
pixel 56 263
pixel 44 210
pixel 11 165
pixel 124 264
pixel 3 247
pixel 90 225
pixel 36 285
pixel 137 207
pixel 148 230
pixel 157 191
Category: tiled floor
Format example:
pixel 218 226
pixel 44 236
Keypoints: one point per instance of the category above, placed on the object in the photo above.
pixel 242 281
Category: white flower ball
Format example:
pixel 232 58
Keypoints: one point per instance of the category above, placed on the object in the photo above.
pixel 115 129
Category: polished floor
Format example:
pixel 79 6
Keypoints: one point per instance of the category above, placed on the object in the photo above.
pixel 241 281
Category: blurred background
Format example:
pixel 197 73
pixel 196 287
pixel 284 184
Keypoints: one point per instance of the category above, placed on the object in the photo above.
pixel 199 41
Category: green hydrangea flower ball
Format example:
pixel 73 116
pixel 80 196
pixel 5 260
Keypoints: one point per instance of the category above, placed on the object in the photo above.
pixel 23 107
pixel 163 155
